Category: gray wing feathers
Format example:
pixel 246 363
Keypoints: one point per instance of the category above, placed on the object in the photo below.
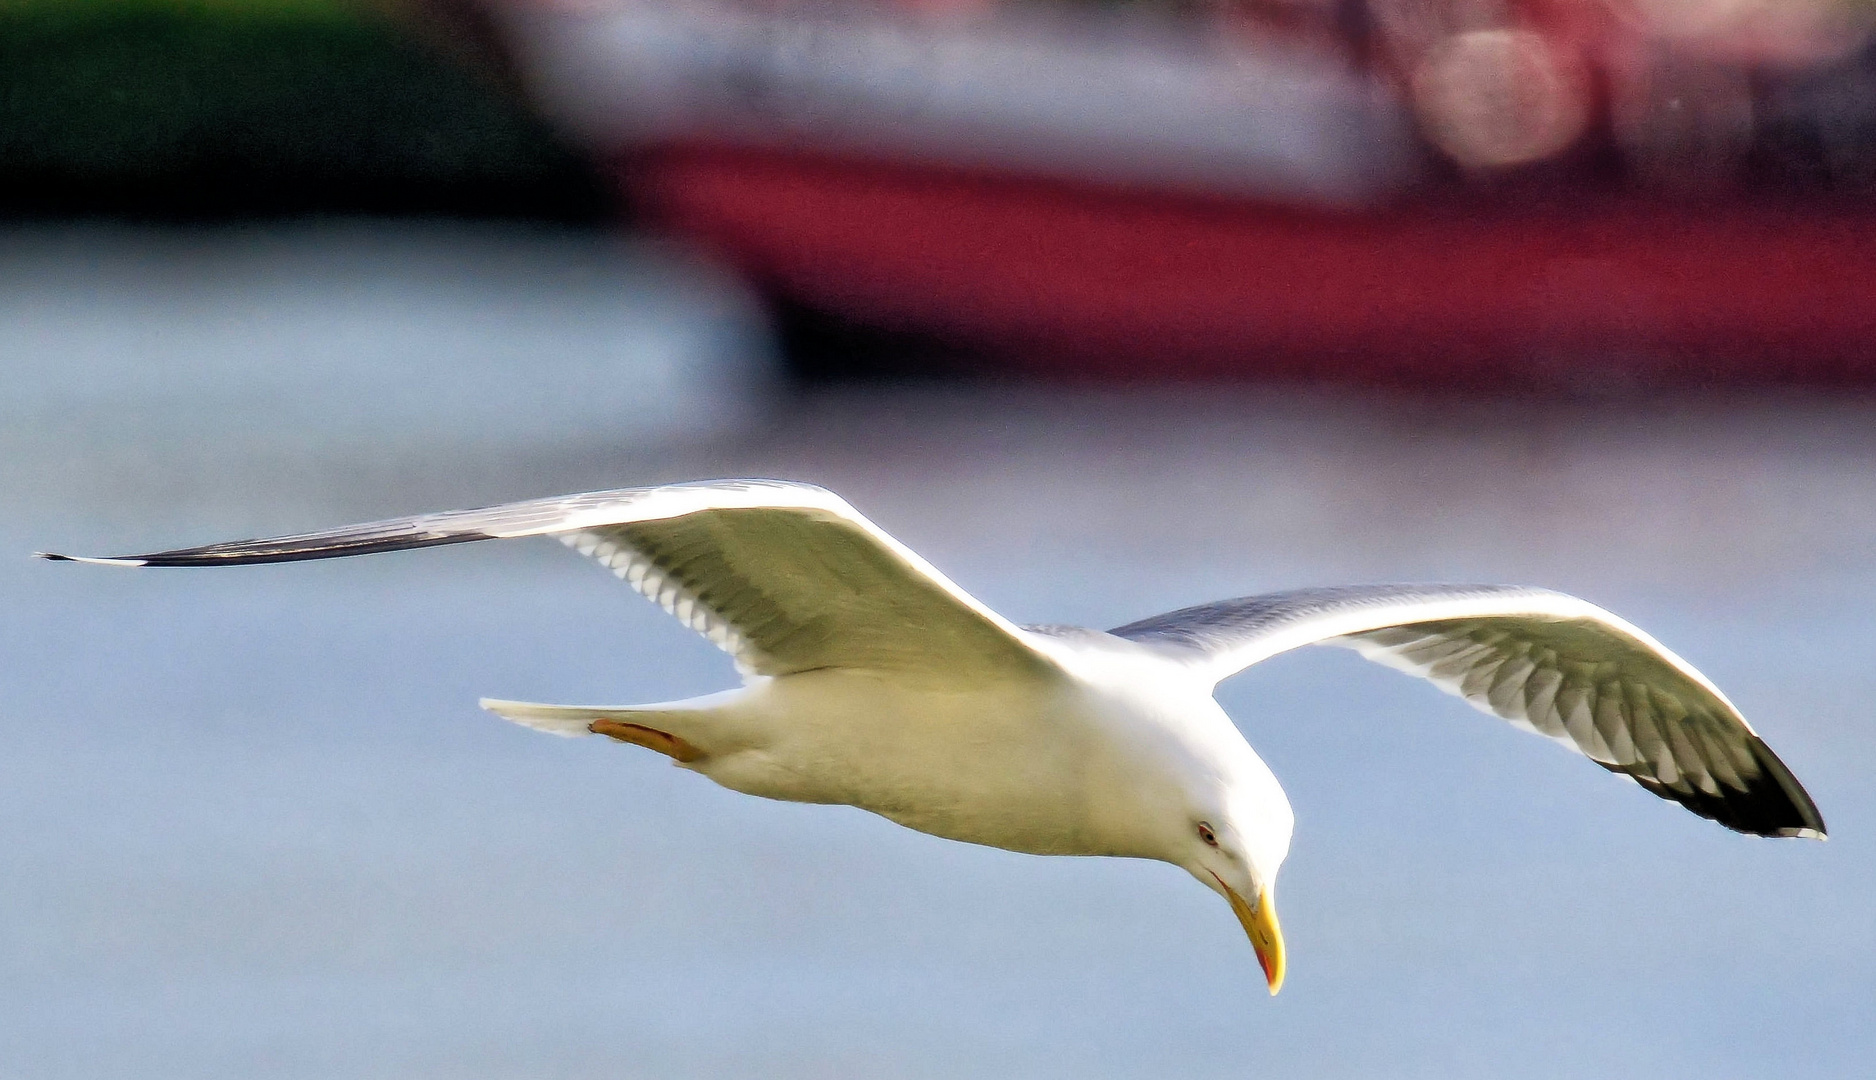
pixel 643 575
pixel 784 577
pixel 1546 662
pixel 533 517
pixel 1230 635
pixel 786 590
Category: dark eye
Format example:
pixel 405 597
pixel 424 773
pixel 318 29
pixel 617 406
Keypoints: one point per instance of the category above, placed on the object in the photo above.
pixel 1206 834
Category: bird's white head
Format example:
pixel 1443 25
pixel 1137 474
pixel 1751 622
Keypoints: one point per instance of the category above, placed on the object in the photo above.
pixel 1182 786
pixel 1236 835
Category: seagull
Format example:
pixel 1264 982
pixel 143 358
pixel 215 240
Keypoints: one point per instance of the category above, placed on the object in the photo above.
pixel 870 680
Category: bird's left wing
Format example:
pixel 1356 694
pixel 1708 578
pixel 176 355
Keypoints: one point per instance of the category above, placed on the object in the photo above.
pixel 1546 662
pixel 784 577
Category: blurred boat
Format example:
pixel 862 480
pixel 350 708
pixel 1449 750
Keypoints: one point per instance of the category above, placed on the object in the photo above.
pixel 1120 194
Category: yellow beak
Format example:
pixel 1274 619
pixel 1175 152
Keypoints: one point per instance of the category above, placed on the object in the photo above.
pixel 1260 922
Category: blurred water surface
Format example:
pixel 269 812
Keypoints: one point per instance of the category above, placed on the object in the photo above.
pixel 153 366
pixel 251 823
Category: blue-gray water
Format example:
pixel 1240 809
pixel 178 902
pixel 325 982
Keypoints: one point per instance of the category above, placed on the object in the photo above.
pixel 252 824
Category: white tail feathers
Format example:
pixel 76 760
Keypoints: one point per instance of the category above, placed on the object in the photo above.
pixel 697 719
pixel 567 721
pixel 660 728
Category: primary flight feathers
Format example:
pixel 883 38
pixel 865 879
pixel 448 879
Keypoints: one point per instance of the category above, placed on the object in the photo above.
pixel 788 578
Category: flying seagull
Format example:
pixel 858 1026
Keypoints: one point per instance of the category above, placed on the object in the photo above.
pixel 870 680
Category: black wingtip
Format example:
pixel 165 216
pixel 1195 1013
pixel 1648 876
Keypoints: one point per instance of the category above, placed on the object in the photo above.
pixel 52 556
pixel 1773 804
pixel 1810 822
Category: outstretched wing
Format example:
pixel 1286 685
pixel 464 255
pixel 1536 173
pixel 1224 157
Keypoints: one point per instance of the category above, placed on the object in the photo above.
pixel 784 577
pixel 1547 662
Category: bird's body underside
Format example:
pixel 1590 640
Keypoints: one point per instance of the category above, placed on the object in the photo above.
pixel 1038 765
pixel 872 680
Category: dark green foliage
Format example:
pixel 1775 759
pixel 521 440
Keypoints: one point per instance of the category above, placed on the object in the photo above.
pixel 180 112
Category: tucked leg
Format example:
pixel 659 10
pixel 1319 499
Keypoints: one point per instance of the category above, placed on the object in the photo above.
pixel 650 738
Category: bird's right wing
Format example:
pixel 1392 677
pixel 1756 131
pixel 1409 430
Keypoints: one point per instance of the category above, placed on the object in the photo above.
pixel 1546 662
pixel 784 577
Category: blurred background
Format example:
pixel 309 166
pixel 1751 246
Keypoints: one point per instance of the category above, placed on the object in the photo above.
pixel 1106 307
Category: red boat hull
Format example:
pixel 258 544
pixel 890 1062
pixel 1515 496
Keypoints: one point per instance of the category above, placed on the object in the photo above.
pixel 1055 279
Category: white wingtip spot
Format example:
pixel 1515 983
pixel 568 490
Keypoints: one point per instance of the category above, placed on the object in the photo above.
pixel 55 557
